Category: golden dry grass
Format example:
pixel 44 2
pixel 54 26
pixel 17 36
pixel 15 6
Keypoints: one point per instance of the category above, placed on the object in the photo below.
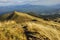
pixel 26 27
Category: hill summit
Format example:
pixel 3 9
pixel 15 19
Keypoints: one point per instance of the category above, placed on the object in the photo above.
pixel 21 26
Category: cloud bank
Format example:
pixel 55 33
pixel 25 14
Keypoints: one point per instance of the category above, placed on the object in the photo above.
pixel 32 2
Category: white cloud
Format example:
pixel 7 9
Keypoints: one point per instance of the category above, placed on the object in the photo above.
pixel 33 2
pixel 11 2
pixel 45 2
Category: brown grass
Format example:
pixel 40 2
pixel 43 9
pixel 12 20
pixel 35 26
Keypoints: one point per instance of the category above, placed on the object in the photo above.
pixel 29 28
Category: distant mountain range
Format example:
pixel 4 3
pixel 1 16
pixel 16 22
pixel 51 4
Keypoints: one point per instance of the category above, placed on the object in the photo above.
pixel 37 9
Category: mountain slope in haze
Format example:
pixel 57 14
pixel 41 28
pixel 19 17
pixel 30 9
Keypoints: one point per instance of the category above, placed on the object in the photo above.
pixel 24 8
pixel 54 17
pixel 21 26
pixel 36 9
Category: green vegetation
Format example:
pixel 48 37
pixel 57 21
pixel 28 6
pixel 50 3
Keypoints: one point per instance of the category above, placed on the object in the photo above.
pixel 53 17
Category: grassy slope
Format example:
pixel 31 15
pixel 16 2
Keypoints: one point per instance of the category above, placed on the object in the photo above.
pixel 23 26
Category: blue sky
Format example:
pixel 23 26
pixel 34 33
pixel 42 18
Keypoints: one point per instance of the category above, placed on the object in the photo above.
pixel 32 2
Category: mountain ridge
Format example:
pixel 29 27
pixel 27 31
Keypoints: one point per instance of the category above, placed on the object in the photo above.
pixel 36 9
pixel 22 26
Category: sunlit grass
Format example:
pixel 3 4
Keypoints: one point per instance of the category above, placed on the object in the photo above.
pixel 38 29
